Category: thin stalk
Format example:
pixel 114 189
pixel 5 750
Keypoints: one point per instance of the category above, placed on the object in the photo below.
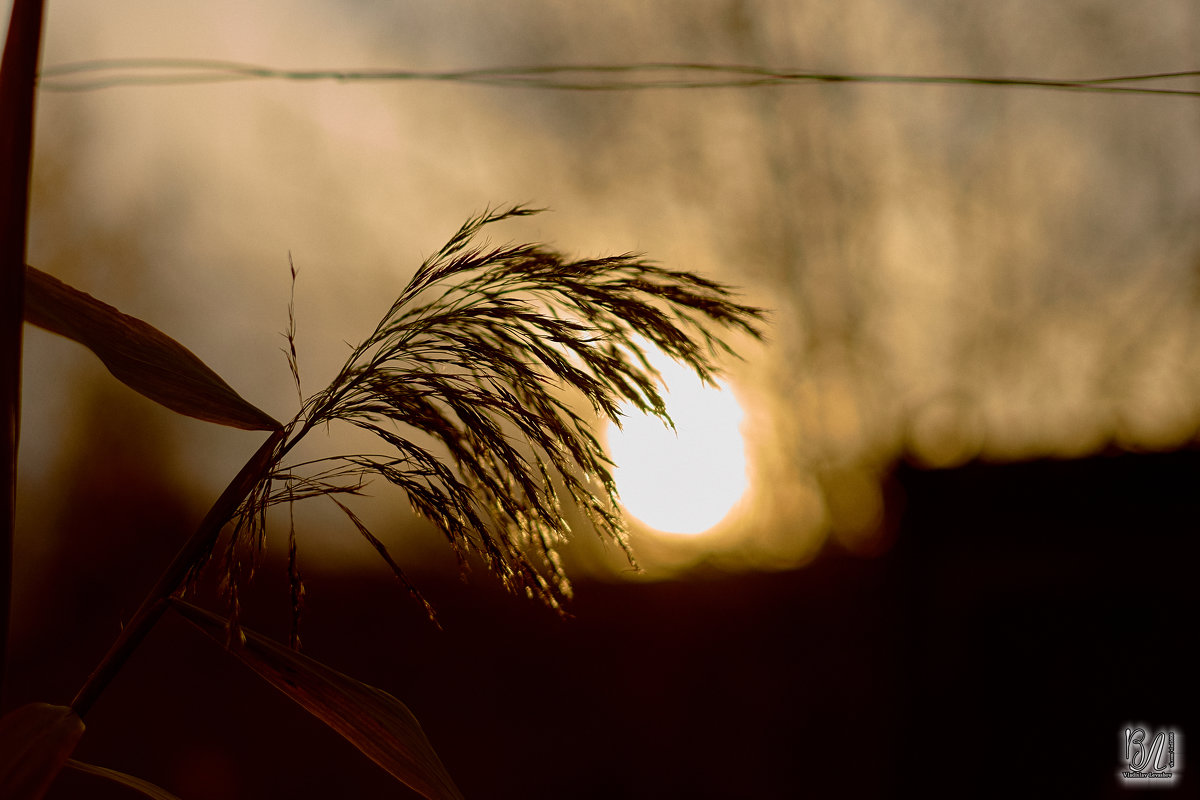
pixel 194 549
pixel 18 74
pixel 105 73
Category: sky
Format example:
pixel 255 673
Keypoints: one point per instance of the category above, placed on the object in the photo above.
pixel 953 272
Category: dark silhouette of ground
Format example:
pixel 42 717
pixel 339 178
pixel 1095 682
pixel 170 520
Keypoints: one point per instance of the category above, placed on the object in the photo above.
pixel 1026 613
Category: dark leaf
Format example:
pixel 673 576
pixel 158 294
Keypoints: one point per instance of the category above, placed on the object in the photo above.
pixel 35 742
pixel 372 720
pixel 18 71
pixel 138 354
pixel 137 784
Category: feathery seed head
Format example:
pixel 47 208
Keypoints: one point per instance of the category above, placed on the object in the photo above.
pixel 482 352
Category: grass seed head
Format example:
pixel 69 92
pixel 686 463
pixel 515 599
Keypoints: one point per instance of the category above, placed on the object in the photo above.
pixel 485 352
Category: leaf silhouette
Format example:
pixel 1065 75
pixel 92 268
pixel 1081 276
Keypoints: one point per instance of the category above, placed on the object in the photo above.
pixel 137 784
pixel 372 720
pixel 35 742
pixel 18 76
pixel 138 354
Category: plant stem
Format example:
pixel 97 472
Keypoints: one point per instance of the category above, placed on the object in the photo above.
pixel 194 549
pixel 17 78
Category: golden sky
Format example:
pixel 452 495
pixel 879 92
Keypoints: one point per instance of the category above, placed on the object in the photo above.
pixel 954 272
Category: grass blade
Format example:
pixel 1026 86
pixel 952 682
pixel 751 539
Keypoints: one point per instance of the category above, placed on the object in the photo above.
pixel 35 742
pixel 373 721
pixel 138 354
pixel 146 788
pixel 18 72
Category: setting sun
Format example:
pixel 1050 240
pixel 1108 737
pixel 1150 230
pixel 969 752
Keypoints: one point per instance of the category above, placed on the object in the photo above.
pixel 687 480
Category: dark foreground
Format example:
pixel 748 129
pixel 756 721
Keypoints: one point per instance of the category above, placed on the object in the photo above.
pixel 1026 614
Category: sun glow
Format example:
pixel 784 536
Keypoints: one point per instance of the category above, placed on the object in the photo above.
pixel 687 480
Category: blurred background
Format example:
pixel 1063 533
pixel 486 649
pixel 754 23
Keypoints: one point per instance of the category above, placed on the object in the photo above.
pixel 968 438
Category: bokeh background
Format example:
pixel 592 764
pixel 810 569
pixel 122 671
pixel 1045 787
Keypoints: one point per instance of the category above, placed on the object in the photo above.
pixel 962 515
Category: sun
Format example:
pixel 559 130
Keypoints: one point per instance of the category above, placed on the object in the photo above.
pixel 687 480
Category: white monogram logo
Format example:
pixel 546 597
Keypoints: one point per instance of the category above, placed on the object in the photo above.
pixel 1149 757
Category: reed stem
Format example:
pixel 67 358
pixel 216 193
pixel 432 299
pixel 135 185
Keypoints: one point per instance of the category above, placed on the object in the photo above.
pixel 18 73
pixel 197 547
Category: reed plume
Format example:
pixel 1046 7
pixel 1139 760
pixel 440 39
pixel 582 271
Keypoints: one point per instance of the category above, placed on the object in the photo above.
pixel 470 382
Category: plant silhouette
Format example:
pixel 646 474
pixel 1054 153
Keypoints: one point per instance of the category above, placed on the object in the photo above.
pixel 477 384
pixel 473 382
